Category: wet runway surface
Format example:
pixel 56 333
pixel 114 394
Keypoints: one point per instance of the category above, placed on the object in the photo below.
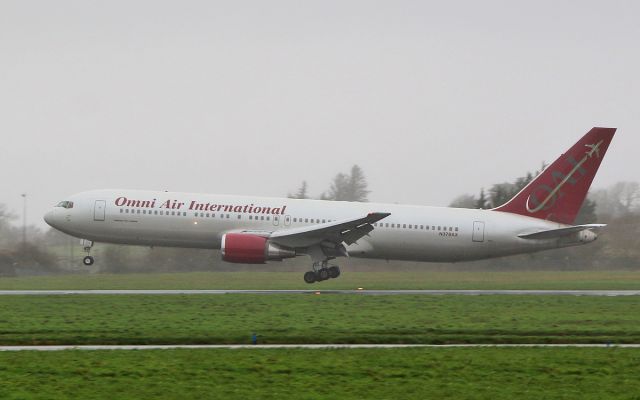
pixel 334 292
pixel 300 346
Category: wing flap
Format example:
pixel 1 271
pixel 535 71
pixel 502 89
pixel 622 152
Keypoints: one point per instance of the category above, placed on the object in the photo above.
pixel 353 235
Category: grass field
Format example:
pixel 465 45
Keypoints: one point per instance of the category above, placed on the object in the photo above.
pixel 411 373
pixel 613 280
pixel 192 319
pixel 475 373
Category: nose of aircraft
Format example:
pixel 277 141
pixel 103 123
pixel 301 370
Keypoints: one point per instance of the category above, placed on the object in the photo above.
pixel 49 217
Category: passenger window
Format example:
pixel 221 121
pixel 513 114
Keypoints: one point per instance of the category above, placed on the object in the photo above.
pixel 306 220
pixel 410 226
pixel 239 216
pixel 439 228
pixel 456 229
pixel 323 221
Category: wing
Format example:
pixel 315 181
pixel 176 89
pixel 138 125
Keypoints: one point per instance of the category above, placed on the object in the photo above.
pixel 347 231
pixel 556 233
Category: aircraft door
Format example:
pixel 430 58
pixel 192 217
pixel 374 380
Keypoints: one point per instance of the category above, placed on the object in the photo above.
pixel 287 220
pixel 99 210
pixel 478 231
pixel 276 220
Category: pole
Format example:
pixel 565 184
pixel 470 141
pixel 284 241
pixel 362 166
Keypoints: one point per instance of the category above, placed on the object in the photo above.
pixel 24 220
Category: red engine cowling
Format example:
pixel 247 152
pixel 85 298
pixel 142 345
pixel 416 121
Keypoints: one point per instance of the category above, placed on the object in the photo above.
pixel 246 248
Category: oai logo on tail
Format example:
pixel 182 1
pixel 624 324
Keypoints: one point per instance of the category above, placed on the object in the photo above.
pixel 554 192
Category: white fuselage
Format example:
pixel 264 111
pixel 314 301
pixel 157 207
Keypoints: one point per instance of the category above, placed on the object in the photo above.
pixel 195 220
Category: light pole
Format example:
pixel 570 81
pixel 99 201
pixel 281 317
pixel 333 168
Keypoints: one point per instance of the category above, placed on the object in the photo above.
pixel 24 221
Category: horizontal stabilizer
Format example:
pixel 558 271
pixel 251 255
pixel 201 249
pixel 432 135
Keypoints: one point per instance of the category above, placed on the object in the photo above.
pixel 560 232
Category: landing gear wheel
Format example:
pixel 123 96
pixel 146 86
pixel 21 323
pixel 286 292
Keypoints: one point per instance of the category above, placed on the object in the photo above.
pixel 334 272
pixel 323 274
pixel 87 244
pixel 310 277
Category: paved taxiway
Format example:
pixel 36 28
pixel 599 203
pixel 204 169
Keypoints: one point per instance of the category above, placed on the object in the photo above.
pixel 294 346
pixel 319 291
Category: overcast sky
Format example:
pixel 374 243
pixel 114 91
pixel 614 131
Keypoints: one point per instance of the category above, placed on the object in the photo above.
pixel 431 99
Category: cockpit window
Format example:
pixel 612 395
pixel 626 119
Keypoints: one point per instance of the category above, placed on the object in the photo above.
pixel 65 204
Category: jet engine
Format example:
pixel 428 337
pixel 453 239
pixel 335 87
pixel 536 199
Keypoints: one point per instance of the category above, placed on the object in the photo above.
pixel 247 248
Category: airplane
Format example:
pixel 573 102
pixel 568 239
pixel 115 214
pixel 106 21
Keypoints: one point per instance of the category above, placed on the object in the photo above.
pixel 256 230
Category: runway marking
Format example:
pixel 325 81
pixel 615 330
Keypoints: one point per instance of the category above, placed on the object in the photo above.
pixel 301 346
pixel 318 291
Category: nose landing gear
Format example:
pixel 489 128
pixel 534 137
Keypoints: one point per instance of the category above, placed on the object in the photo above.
pixel 322 273
pixel 87 260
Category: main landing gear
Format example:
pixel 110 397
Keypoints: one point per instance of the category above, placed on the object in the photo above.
pixel 321 272
pixel 87 260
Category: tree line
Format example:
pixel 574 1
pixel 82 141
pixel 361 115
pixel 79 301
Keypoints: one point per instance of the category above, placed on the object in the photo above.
pixel 23 257
pixel 351 186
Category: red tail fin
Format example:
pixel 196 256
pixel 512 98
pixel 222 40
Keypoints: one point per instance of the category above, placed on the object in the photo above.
pixel 559 191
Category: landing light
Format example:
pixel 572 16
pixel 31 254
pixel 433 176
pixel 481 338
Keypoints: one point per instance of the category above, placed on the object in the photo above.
pixel 195 222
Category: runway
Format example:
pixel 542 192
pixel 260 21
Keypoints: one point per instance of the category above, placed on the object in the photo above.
pixel 612 293
pixel 301 346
